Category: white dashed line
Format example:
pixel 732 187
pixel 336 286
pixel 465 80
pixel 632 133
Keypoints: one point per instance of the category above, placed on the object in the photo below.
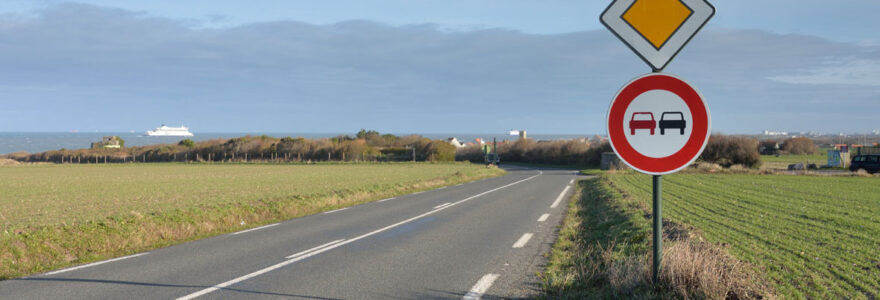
pixel 335 210
pixel 383 200
pixel 543 217
pixel 315 249
pixel 521 242
pixel 559 199
pixel 442 205
pixel 570 182
pixel 481 287
pixel 258 228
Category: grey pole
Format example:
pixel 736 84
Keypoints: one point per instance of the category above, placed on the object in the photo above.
pixel 658 228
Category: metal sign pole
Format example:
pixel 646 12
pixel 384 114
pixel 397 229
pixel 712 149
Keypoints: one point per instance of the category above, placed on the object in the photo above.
pixel 658 228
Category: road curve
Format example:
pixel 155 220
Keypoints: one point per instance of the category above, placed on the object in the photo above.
pixel 483 239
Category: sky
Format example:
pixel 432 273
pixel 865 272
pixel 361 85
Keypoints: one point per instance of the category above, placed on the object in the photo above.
pixel 418 66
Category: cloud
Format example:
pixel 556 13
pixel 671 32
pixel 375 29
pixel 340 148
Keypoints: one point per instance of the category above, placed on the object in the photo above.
pixel 87 67
pixel 853 72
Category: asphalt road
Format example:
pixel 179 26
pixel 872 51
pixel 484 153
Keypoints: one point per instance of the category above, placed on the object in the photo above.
pixel 480 239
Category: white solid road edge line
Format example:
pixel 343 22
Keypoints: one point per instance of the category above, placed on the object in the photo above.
pixel 258 228
pixel 383 200
pixel 96 263
pixel 521 242
pixel 315 249
pixel 559 199
pixel 333 246
pixel 335 210
pixel 481 287
pixel 442 205
pixel 543 217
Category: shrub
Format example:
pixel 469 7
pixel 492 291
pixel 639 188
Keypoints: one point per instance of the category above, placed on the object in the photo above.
pixel 187 143
pixel 732 150
pixel 800 145
pixel 567 152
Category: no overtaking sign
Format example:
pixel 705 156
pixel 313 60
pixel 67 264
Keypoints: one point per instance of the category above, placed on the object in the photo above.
pixel 658 124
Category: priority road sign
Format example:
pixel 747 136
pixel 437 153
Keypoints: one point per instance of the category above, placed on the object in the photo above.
pixel 658 124
pixel 656 29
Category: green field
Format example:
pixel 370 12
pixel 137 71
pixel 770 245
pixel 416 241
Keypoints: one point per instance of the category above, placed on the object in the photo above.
pixel 57 215
pixel 812 236
pixel 782 161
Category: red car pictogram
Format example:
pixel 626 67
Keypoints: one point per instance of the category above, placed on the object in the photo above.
pixel 642 120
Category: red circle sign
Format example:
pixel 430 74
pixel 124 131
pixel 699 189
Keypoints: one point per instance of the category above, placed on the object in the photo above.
pixel 658 124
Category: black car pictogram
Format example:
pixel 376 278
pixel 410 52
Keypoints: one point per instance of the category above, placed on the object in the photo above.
pixel 672 119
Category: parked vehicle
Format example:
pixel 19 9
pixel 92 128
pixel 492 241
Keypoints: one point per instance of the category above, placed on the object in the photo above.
pixel 672 119
pixel 868 162
pixel 642 120
pixel 493 159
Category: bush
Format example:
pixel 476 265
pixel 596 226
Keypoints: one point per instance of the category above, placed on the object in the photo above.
pixel 187 143
pixel 800 145
pixel 568 152
pixel 732 150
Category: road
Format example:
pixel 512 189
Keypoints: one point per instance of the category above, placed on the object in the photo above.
pixel 481 239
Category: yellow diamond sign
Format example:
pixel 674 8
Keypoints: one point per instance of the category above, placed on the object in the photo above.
pixel 657 29
pixel 657 20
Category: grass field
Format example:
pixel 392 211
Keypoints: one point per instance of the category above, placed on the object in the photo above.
pixel 812 236
pixel 56 215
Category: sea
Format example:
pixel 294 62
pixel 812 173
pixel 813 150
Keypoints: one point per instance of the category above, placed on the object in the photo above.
pixel 35 142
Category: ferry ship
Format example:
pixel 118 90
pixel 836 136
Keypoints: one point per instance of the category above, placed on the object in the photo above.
pixel 170 131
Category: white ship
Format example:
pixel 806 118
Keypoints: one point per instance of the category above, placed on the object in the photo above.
pixel 170 131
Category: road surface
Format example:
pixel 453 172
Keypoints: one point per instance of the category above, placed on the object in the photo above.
pixel 480 239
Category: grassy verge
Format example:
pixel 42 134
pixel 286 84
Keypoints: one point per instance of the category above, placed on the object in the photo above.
pixel 603 252
pixel 55 216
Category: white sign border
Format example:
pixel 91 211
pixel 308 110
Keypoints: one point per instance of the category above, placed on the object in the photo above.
pixel 612 18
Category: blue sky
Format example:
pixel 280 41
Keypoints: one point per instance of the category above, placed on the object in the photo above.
pixel 417 66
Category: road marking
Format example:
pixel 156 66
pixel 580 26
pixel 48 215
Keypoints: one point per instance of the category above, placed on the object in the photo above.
pixel 315 249
pixel 96 263
pixel 441 188
pixel 521 242
pixel 416 193
pixel 258 228
pixel 340 244
pixel 543 217
pixel 383 200
pixel 570 182
pixel 559 199
pixel 481 287
pixel 459 184
pixel 335 210
pixel 442 205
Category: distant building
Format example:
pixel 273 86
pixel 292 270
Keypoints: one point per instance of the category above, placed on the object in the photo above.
pixel 520 133
pixel 782 133
pixel 107 142
pixel 454 141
